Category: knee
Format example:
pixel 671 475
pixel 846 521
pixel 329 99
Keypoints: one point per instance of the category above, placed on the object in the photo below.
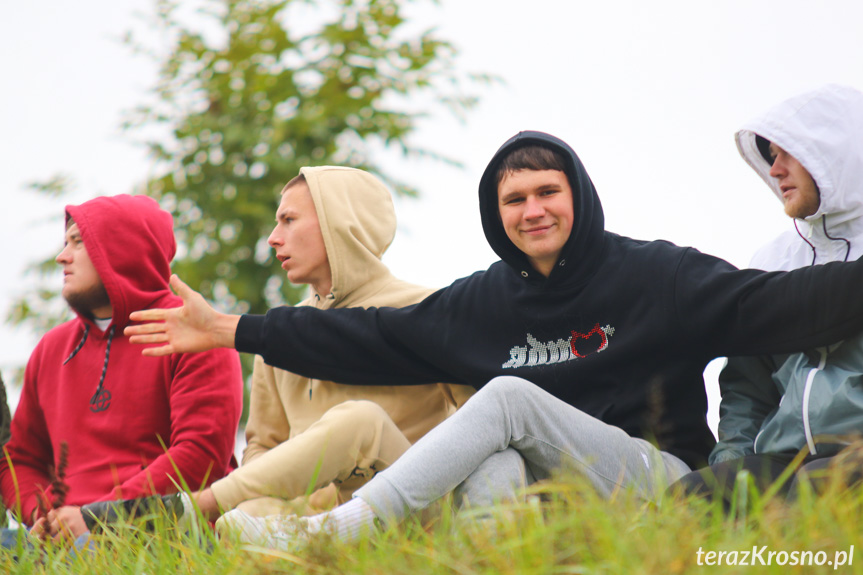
pixel 695 483
pixel 507 386
pixel 357 413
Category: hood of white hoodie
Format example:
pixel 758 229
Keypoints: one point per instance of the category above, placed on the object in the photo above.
pixel 822 130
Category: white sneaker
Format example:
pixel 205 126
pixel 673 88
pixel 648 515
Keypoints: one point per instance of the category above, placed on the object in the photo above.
pixel 283 532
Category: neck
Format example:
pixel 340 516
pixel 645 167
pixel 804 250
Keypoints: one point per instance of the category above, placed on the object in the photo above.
pixel 323 288
pixel 102 313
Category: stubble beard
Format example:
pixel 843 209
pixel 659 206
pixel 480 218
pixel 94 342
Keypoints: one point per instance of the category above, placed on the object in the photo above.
pixel 84 302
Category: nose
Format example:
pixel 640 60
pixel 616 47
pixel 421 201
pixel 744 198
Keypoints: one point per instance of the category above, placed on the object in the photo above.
pixel 63 257
pixel 274 239
pixel 778 169
pixel 533 208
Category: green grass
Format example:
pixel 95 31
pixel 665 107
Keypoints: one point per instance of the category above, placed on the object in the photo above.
pixel 571 530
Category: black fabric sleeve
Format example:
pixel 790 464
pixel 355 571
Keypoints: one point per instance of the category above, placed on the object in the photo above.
pixel 376 346
pixel 751 312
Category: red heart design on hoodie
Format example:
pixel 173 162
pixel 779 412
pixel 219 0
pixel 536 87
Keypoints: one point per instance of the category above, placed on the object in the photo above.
pixel 584 344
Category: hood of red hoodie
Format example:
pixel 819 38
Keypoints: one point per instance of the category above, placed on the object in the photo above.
pixel 130 241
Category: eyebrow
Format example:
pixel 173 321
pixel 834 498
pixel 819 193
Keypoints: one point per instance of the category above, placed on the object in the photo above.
pixel 282 214
pixel 517 193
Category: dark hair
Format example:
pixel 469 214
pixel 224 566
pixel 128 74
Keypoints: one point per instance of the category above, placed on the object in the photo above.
pixel 763 145
pixel 530 158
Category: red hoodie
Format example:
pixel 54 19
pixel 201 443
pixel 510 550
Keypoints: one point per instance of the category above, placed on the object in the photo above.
pixel 168 418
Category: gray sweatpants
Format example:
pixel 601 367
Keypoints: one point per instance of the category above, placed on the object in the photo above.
pixel 510 432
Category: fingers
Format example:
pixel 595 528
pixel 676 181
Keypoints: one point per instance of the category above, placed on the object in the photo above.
pixel 149 315
pixel 38 527
pixel 155 338
pixel 157 351
pixel 144 329
pixel 180 287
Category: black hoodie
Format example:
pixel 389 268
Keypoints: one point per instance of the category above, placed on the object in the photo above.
pixel 621 329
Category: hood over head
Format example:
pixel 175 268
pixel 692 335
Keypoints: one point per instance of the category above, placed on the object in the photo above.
pixel 358 224
pixel 130 241
pixel 583 249
pixel 822 130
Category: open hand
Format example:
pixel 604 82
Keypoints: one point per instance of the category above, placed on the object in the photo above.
pixel 194 327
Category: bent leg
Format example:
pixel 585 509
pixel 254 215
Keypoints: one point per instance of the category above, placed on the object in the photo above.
pixel 845 469
pixel 501 477
pixel 548 433
pixel 353 440
pixel 721 479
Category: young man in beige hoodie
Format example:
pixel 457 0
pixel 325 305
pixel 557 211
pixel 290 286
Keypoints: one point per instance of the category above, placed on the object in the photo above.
pixel 307 436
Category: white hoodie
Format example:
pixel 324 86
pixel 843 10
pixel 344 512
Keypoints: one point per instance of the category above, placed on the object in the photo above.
pixel 781 404
pixel 823 130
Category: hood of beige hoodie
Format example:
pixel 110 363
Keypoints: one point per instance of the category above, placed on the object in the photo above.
pixel 358 224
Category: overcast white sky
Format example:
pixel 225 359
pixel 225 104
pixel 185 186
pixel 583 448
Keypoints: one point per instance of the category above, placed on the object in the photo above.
pixel 649 94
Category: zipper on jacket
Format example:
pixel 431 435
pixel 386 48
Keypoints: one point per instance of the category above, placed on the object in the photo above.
pixel 806 391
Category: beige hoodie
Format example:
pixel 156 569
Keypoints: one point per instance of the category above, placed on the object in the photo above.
pixel 358 224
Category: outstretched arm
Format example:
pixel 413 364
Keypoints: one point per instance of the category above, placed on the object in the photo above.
pixel 194 327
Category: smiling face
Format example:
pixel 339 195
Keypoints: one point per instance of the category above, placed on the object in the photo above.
pixel 83 289
pixel 298 241
pixel 799 192
pixel 537 214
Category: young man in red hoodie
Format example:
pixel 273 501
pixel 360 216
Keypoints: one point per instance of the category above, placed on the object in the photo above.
pixel 134 426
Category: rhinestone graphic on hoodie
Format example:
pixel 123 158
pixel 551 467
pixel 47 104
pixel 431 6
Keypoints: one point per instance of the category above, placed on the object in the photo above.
pixel 576 346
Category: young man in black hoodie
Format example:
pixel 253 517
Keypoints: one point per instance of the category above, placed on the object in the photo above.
pixel 601 339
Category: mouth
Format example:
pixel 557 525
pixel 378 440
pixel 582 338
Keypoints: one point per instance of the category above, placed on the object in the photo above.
pixel 283 259
pixel 537 230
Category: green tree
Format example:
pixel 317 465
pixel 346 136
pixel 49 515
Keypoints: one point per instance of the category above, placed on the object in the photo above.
pixel 249 100
pixel 249 91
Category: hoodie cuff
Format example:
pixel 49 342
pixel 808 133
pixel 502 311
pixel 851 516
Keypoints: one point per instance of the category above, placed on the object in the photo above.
pixel 249 335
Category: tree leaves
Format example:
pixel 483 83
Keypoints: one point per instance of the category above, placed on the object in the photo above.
pixel 248 101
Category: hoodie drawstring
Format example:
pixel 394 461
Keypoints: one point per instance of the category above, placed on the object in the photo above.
pixel 810 377
pixel 101 400
pixel 80 345
pixel 831 238
pixel 802 237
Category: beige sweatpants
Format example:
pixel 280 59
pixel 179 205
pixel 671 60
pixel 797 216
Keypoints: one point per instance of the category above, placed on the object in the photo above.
pixel 330 460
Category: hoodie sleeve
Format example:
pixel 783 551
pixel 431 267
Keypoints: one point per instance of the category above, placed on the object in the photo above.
pixel 29 450
pixel 375 346
pixel 748 397
pixel 724 311
pixel 206 399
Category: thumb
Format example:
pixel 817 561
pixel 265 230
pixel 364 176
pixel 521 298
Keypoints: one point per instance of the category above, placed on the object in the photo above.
pixel 180 287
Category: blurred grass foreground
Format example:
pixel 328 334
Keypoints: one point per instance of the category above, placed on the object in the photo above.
pixel 564 528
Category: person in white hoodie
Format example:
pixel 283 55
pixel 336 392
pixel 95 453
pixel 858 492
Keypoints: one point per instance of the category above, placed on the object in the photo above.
pixel 809 151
